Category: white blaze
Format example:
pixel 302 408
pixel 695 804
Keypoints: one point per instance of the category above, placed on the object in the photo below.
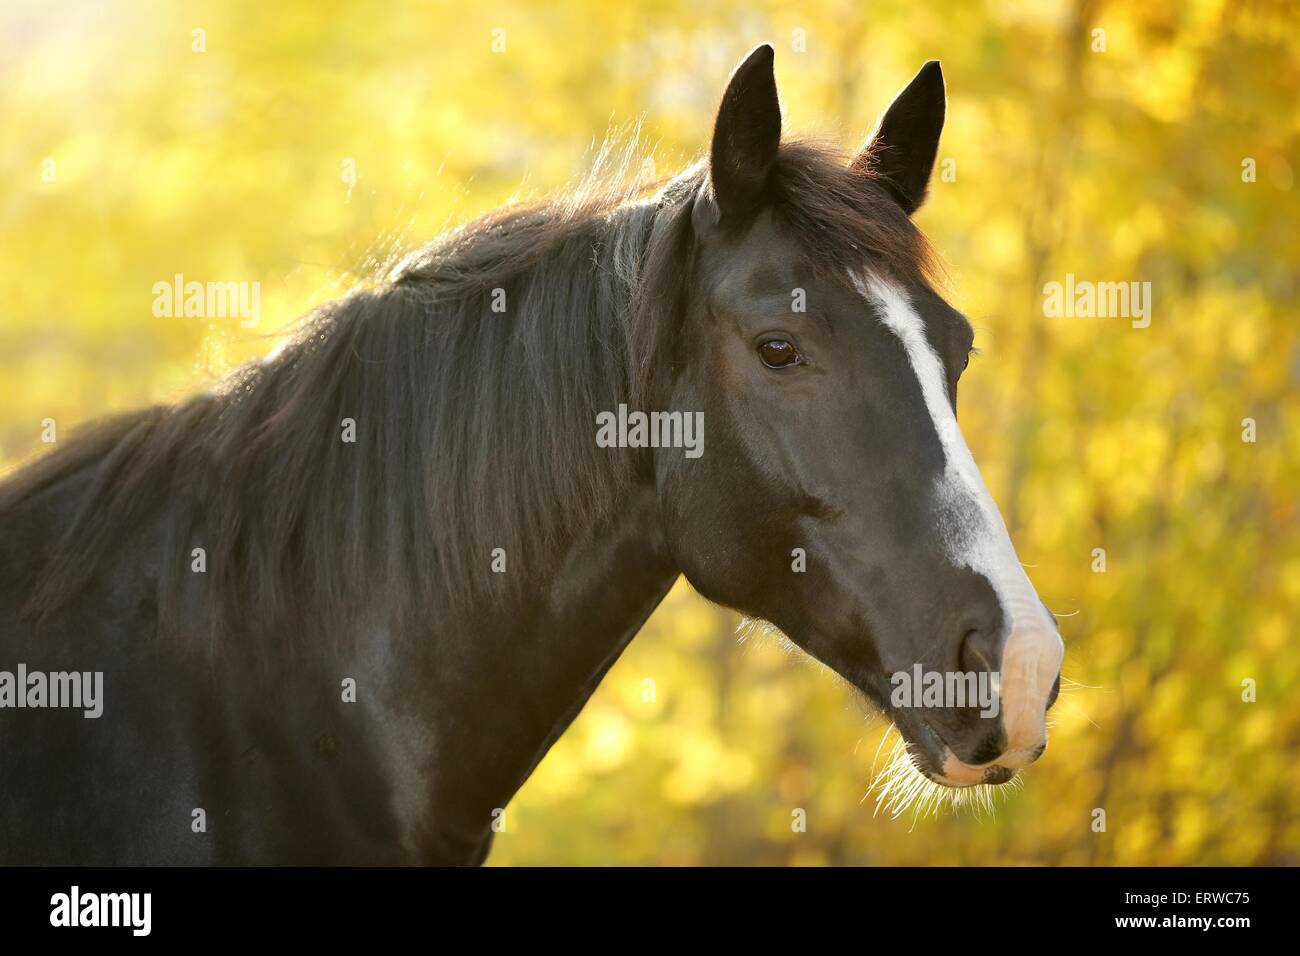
pixel 975 536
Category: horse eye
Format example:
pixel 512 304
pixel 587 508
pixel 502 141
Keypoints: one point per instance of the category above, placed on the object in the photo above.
pixel 778 353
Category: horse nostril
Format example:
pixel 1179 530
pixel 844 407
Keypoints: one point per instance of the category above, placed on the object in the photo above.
pixel 1051 698
pixel 979 648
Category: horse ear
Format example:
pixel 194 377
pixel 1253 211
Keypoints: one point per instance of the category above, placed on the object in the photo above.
pixel 901 151
pixel 746 135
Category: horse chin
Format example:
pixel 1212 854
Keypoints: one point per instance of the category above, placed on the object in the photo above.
pixel 957 774
pixel 936 762
pixel 922 780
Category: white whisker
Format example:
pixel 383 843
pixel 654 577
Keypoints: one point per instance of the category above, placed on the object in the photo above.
pixel 901 786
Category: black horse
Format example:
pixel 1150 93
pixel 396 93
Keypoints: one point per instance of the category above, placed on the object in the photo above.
pixel 342 607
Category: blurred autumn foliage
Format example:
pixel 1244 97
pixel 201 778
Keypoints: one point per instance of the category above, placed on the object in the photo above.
pixel 128 154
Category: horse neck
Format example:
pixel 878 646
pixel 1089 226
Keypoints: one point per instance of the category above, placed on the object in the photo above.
pixel 514 665
pixel 610 580
pixel 524 671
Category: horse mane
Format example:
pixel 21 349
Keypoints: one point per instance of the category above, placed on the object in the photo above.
pixel 473 427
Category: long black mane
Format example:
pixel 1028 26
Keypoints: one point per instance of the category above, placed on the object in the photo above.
pixel 473 427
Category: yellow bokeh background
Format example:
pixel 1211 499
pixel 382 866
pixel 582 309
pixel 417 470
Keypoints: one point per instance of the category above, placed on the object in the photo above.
pixel 128 155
